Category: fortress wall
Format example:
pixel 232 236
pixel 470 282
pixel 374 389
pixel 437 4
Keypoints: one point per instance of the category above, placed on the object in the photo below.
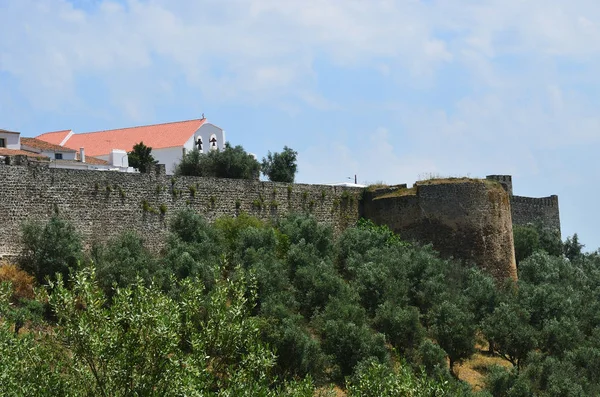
pixel 466 219
pixel 527 210
pixel 103 204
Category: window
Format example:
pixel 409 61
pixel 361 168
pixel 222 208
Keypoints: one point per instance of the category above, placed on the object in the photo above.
pixel 2 142
pixel 213 142
pixel 58 156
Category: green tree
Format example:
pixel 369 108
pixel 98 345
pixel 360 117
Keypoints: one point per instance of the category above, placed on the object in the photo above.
pixel 453 328
pixel 527 241
pixel 400 325
pixel 231 162
pixel 123 261
pixel 572 248
pixel 508 329
pixel 280 167
pixel 141 157
pixel 51 248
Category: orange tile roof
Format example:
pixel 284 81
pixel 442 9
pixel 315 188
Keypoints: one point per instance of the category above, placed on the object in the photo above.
pixel 91 160
pixel 55 137
pixel 14 152
pixel 156 136
pixel 95 160
pixel 43 145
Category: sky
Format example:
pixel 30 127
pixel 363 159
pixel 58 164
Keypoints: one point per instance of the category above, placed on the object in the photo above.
pixel 389 90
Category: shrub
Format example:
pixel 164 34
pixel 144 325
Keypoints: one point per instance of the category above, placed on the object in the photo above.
pixel 347 337
pixel 432 358
pixel 400 325
pixel 231 162
pixel 123 262
pixel 280 167
pixel 374 379
pixel 21 281
pixel 141 157
pixel 49 249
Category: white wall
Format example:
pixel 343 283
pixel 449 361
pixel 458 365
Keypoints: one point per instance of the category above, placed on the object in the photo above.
pixel 170 157
pixel 12 140
pixel 206 131
pixel 118 158
pixel 66 155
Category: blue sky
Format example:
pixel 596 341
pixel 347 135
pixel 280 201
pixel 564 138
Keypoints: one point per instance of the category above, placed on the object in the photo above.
pixel 389 90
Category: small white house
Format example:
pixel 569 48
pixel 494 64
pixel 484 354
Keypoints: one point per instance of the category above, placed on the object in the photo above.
pixel 169 141
pixel 53 152
pixel 9 140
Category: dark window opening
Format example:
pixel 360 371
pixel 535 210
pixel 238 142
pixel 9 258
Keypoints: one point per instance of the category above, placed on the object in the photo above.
pixel 2 142
pixel 58 156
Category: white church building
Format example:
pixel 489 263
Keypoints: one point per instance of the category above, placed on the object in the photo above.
pixel 169 141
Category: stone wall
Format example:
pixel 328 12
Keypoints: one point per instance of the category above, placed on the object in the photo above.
pixel 103 204
pixel 467 219
pixel 544 211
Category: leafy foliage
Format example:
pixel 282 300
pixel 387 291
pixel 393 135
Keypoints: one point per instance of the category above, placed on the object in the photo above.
pixel 231 162
pixel 141 157
pixel 51 248
pixel 280 167
pixel 123 262
pixel 244 307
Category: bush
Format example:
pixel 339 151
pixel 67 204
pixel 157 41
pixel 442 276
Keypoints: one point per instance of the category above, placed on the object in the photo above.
pixel 22 283
pixel 432 359
pixel 374 379
pixel 347 337
pixel 141 157
pixel 124 261
pixel 298 353
pixel 400 325
pixel 231 162
pixel 280 167
pixel 50 249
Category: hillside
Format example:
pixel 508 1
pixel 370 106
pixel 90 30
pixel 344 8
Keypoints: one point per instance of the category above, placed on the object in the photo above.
pixel 244 307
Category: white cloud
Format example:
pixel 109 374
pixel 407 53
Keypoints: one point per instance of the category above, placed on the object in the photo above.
pixel 375 161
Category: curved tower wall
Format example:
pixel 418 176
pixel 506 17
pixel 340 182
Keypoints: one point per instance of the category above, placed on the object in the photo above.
pixel 466 219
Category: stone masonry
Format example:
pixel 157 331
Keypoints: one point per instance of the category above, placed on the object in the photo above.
pixel 103 204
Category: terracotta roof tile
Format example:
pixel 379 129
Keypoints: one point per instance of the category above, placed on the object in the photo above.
pixel 43 145
pixel 13 152
pixel 156 136
pixel 55 137
pixel 92 160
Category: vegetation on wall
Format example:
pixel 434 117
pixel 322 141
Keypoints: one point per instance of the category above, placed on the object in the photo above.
pixel 243 307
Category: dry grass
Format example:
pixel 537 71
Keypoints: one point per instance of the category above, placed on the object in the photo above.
pixel 439 181
pixel 376 186
pixel 399 193
pixel 473 371
pixel 22 282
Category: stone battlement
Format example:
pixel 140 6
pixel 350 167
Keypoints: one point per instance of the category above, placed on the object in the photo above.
pixel 466 218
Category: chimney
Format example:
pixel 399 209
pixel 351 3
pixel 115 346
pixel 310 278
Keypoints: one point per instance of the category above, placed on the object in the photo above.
pixel 82 155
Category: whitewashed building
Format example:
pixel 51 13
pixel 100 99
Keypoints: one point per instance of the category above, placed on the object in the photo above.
pixel 169 141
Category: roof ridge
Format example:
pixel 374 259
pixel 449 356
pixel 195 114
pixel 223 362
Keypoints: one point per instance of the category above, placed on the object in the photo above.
pixel 139 126
pixel 51 132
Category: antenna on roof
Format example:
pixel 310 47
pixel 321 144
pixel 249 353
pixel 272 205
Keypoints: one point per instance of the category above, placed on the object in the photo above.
pixel 203 116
